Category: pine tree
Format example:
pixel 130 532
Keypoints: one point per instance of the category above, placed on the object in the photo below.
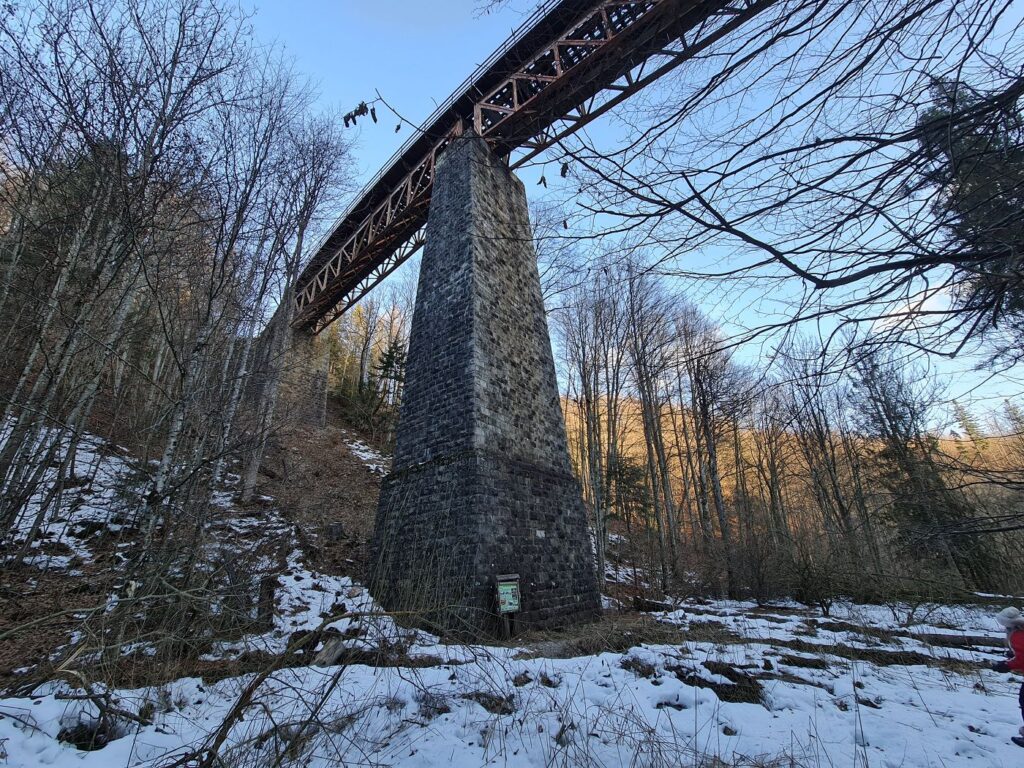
pixel 970 427
pixel 932 519
pixel 973 146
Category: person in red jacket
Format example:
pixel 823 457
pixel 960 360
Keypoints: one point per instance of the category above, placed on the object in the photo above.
pixel 1012 621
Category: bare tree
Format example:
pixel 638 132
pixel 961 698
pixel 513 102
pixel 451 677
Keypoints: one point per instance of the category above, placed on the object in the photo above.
pixel 851 159
pixel 591 325
pixel 160 173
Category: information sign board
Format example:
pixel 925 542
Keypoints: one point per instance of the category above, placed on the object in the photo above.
pixel 508 593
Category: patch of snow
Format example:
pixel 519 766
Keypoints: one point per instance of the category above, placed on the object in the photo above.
pixel 373 459
pixel 610 603
pixel 95 502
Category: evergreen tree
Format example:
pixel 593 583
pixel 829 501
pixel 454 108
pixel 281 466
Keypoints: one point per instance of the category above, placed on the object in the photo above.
pixel 970 427
pixel 932 520
pixel 973 147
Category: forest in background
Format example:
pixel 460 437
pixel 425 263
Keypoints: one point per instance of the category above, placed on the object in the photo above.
pixel 719 478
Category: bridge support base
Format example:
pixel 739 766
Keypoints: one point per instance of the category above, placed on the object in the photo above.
pixel 481 484
pixel 303 393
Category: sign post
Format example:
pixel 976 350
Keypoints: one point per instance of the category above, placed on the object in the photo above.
pixel 508 600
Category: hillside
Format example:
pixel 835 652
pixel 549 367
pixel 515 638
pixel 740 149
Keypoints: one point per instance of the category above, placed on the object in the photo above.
pixel 321 676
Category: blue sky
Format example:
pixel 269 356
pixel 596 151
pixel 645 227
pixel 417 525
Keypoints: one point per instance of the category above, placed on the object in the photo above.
pixel 415 52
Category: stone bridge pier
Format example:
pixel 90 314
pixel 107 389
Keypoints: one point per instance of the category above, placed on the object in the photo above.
pixel 299 360
pixel 481 483
pixel 303 397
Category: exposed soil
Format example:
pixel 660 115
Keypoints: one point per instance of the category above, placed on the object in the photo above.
pixel 802 661
pixel 329 493
pixel 612 632
pixel 496 705
pixel 39 609
pixel 741 688
pixel 932 638
pixel 875 656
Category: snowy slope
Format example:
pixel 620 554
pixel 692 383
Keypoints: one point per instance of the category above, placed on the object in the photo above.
pixel 95 503
pixel 867 686
pixel 666 704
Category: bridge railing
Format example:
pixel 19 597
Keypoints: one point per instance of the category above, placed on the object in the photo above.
pixel 461 90
pixel 536 79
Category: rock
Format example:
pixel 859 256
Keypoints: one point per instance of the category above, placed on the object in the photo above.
pixel 330 653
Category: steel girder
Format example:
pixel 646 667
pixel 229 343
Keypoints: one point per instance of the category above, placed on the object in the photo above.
pixel 608 53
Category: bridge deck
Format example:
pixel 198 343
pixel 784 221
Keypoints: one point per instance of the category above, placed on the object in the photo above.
pixel 533 91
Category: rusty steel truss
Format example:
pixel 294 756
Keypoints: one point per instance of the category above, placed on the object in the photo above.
pixel 570 63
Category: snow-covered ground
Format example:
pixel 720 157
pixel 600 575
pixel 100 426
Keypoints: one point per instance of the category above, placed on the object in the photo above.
pixel 891 686
pixel 373 459
pixel 754 693
pixel 60 539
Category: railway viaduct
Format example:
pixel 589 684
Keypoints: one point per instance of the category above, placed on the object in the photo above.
pixel 481 488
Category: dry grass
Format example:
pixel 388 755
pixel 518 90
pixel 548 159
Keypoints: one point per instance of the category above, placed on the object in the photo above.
pixel 315 482
pixel 613 632
pixel 37 615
